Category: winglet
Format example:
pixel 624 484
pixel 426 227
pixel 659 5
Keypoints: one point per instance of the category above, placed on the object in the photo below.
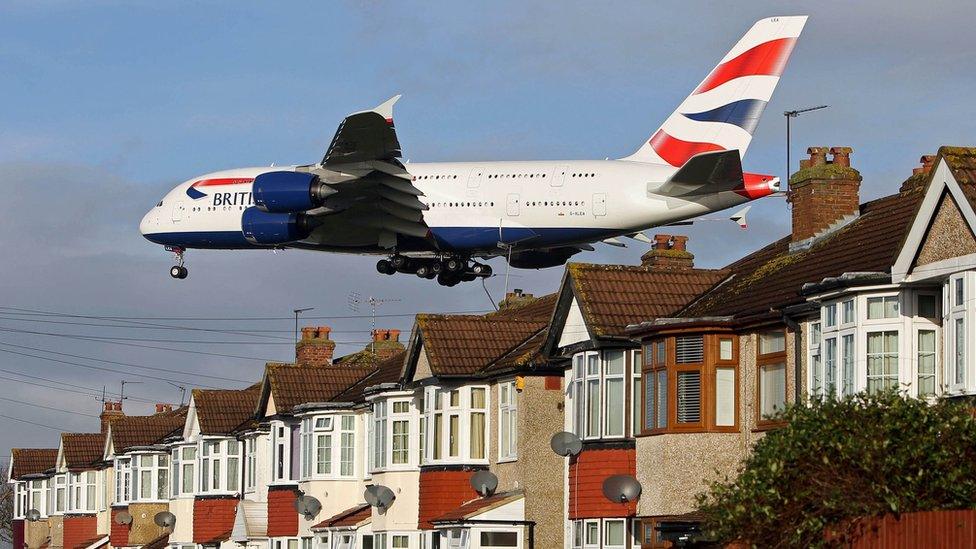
pixel 740 217
pixel 386 108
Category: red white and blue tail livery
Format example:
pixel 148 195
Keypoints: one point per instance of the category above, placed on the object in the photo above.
pixel 435 220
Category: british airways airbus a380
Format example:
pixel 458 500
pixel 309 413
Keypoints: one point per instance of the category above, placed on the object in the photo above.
pixel 434 219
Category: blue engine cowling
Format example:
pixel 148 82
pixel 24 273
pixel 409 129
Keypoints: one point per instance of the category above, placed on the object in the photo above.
pixel 274 228
pixel 285 192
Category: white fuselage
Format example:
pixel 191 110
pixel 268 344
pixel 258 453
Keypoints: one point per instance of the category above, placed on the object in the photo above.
pixel 472 206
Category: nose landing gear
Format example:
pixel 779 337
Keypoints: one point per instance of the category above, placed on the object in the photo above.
pixel 178 271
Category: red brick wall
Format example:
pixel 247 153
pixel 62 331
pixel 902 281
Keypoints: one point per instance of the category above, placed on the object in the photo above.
pixel 587 471
pixel 282 516
pixel 443 491
pixel 118 535
pixel 213 517
pixel 18 533
pixel 554 383
pixel 924 529
pixel 79 528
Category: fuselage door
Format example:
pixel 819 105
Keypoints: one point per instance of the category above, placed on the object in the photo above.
pixel 599 204
pixel 178 210
pixel 512 206
pixel 474 178
pixel 558 176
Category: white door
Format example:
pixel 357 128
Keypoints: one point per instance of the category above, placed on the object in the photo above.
pixel 178 209
pixel 559 176
pixel 599 204
pixel 512 207
pixel 474 178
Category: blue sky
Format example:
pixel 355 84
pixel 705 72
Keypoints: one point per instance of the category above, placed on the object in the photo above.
pixel 108 104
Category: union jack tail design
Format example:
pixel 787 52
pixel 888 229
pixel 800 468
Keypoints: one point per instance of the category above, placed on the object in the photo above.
pixel 724 109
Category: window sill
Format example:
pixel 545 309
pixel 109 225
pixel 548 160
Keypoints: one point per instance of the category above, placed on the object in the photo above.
pixel 509 459
pixel 768 426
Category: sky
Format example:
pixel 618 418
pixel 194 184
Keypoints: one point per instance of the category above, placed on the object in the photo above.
pixel 107 105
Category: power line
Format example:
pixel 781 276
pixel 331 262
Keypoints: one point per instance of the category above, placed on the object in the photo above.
pixel 62 429
pixel 250 318
pixel 106 361
pixel 91 391
pixel 75 412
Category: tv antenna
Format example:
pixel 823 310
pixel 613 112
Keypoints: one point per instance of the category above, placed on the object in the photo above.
pixel 790 115
pixel 355 299
pixel 122 396
pixel 297 313
pixel 182 392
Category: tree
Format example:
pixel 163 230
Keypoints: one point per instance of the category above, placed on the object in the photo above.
pixel 838 460
pixel 6 510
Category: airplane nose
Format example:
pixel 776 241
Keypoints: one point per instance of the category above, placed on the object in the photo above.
pixel 146 226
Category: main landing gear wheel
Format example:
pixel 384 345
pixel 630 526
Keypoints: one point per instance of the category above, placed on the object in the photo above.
pixel 448 279
pixel 481 269
pixel 453 264
pixel 384 266
pixel 177 271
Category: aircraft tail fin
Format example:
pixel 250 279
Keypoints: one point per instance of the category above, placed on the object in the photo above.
pixel 722 112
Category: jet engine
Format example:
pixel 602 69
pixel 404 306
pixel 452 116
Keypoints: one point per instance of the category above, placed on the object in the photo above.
pixel 261 227
pixel 288 192
pixel 542 259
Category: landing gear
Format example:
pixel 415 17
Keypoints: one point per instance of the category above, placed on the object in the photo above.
pixel 384 266
pixel 178 271
pixel 449 270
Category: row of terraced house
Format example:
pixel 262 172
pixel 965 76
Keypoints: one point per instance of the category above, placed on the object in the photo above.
pixel 665 373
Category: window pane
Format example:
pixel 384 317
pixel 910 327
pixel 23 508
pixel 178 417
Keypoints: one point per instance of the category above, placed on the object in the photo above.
pixel 927 306
pixel 615 362
pixel 593 408
pixel 232 474
pixel 401 435
pixel 847 376
pixel 477 435
pixel 498 539
pixel 830 366
pixel 187 478
pixel 592 364
pixel 689 349
pixel 772 388
pixel 689 397
pixel 772 342
pixel 438 434
pixel 815 333
pixel 662 352
pixel 875 308
pixel 725 396
pixel 615 407
pixel 649 422
pixel 960 295
pixel 848 311
pixel 478 398
pixel 454 433
pixel 592 533
pixel 882 360
pixel 614 532
pixel 926 362
pixel 830 315
pixel 725 349
pixel 960 355
pixel 323 454
pixel 662 399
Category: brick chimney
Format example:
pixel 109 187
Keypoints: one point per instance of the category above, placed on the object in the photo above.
pixel 668 252
pixel 386 343
pixel 515 298
pixel 110 413
pixel 162 407
pixel 315 348
pixel 920 175
pixel 824 194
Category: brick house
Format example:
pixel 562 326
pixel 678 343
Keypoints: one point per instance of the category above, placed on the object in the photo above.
pixel 84 521
pixel 137 483
pixel 30 475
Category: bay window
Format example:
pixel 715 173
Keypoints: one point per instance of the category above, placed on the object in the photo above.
pixel 285 452
pixel 507 421
pixel 183 466
pixel 455 423
pixel 220 465
pixel 882 360
pixel 771 361
pixel 123 477
pixel 599 392
pixel 37 498
pixel 82 493
pixel 149 477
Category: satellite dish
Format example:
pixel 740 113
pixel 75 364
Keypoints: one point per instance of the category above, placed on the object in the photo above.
pixel 379 496
pixel 484 482
pixel 621 488
pixel 123 517
pixel 165 519
pixel 33 515
pixel 565 444
pixel 307 506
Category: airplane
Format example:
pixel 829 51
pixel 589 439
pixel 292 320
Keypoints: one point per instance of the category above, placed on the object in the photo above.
pixel 434 220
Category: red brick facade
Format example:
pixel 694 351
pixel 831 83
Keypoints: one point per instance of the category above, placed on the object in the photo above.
pixel 823 192
pixel 213 518
pixel 587 471
pixel 282 516
pixel 79 529
pixel 118 535
pixel 315 348
pixel 442 491
pixel 18 533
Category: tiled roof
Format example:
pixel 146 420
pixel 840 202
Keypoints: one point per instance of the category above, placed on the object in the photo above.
pixel 132 431
pixel 82 450
pixel 462 345
pixel 348 518
pixel 162 542
pixel 526 353
pixel 477 506
pixel 32 461
pixel 293 385
pixel 221 411
pixel 962 163
pixel 387 371
pixel 772 277
pixel 611 297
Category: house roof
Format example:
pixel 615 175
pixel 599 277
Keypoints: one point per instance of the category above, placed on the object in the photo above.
pixel 611 297
pixel 291 385
pixel 82 450
pixel 388 370
pixel 349 518
pixel 463 345
pixel 478 506
pixel 221 411
pixel 31 461
pixel 161 542
pixel 962 163
pixel 134 431
pixel 773 276
pixel 530 351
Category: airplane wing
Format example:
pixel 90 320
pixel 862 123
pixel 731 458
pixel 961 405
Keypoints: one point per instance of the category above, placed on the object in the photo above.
pixel 363 170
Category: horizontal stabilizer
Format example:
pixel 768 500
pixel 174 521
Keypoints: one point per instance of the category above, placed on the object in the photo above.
pixel 614 242
pixel 705 173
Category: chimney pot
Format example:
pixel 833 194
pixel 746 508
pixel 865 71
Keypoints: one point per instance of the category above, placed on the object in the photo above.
pixel 661 241
pixel 395 335
pixel 668 252
pixel 818 156
pixel 841 155
pixel 111 412
pixel 315 348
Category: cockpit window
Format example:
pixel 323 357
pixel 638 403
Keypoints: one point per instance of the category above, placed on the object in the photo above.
pixel 159 204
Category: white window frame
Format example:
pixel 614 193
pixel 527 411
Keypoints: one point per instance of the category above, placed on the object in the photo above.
pixel 20 499
pixel 591 368
pixel 82 492
pixel 956 313
pixel 400 457
pixel 37 495
pixel 507 421
pixel 215 473
pixel 60 484
pixel 123 480
pixel 884 354
pixel 158 467
pixel 438 404
pixel 281 453
pixel 250 463
pixel 183 460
